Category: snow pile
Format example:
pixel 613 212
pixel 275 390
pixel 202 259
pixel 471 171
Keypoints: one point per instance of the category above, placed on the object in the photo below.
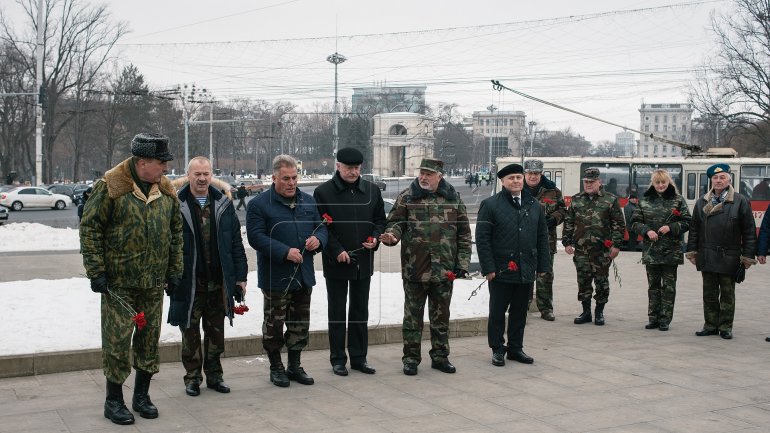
pixel 37 237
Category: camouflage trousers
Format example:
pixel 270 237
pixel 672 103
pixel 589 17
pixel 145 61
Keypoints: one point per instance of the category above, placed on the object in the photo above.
pixel 121 340
pixel 544 291
pixel 208 310
pixel 718 301
pixel 439 296
pixel 661 292
pixel 286 308
pixel 591 271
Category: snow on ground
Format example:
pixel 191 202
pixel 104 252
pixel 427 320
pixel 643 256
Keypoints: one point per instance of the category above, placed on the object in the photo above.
pixel 55 315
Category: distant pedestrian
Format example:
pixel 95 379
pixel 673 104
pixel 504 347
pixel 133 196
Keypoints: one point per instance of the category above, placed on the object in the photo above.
pixel 82 204
pixel 242 194
pixel 430 221
pixel 593 232
pixel 763 241
pixel 131 242
pixel 722 238
pixel 662 217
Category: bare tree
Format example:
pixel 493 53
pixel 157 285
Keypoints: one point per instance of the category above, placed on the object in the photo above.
pixel 735 84
pixel 78 41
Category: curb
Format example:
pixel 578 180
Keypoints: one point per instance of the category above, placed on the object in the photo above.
pixel 89 359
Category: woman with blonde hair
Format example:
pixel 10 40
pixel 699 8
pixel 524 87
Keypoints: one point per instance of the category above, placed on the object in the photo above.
pixel 661 217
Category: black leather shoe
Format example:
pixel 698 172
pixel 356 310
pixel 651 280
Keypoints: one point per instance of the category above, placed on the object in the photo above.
pixel 547 315
pixel 767 339
pixel 498 359
pixel 727 335
pixel 520 356
pixel 363 367
pixel 443 366
pixel 339 370
pixel 410 369
pixel 193 389
pixel 663 327
pixel 220 386
pixel 651 325
pixel 703 332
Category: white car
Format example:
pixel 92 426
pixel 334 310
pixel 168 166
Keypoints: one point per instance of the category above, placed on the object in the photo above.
pixel 32 196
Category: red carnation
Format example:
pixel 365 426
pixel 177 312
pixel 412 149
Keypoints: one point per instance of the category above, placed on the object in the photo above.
pixel 548 201
pixel 608 243
pixel 512 266
pixel 369 240
pixel 451 276
pixel 240 309
pixel 327 218
pixel 140 321
pixel 676 212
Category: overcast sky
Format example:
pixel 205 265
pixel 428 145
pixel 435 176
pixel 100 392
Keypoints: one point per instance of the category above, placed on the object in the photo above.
pixel 603 57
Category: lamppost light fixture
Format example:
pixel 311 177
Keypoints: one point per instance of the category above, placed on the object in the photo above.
pixel 335 59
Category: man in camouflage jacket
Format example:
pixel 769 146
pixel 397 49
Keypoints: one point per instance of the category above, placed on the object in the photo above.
pixel 593 230
pixel 430 220
pixel 131 241
pixel 551 201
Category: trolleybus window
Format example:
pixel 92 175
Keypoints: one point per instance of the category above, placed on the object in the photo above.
pixel 556 176
pixel 755 182
pixel 641 174
pixel 615 177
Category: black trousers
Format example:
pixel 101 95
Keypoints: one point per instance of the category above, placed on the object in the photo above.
pixel 357 318
pixel 513 298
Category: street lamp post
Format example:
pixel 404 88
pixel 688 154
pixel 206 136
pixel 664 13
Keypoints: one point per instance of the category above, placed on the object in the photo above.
pixel 491 109
pixel 532 124
pixel 336 59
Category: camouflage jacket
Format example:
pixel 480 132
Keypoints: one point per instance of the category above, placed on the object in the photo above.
pixel 552 203
pixel 434 232
pixel 591 222
pixel 655 211
pixel 135 240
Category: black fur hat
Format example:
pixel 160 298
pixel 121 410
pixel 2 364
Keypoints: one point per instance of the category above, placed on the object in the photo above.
pixel 150 145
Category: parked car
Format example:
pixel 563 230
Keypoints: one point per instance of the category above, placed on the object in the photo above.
pixel 389 203
pixel 230 181
pixel 79 190
pixel 253 186
pixel 3 215
pixel 67 189
pixel 375 179
pixel 33 196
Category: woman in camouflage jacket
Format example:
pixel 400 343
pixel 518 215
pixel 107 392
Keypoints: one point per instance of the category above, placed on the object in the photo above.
pixel 662 218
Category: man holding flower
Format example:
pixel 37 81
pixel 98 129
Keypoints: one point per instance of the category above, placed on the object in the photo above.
pixel 512 243
pixel 285 228
pixel 357 208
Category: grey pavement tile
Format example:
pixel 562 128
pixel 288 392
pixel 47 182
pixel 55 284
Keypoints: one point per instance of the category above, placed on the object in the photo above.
pixel 749 414
pixel 694 404
pixel 535 386
pixel 630 428
pixel 528 425
pixel 705 422
pixel 620 378
pixel 347 410
pixel 288 417
pixel 41 421
pixel 482 388
pixel 597 419
pixel 571 380
pixel 656 392
pixel 405 406
pixel 428 423
pixel 355 428
pixel 478 410
pixel 533 406
pixel 589 399
pixel 750 394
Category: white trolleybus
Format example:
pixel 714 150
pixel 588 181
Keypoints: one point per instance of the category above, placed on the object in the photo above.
pixel 619 174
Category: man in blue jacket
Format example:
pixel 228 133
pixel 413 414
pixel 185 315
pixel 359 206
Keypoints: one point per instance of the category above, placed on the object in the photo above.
pixel 284 226
pixel 215 270
pixel 512 244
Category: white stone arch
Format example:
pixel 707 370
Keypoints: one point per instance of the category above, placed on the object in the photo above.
pixel 399 142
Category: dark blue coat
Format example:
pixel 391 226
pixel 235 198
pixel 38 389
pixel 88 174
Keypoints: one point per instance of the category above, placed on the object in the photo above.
pixel 232 256
pixel 763 242
pixel 504 233
pixel 273 227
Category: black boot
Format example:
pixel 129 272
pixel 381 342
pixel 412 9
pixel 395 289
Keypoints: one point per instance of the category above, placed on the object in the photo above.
pixel 585 316
pixel 295 371
pixel 599 314
pixel 114 408
pixel 141 402
pixel 277 372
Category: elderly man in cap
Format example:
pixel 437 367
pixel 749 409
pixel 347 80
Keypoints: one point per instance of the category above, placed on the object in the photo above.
pixel 430 220
pixel 358 212
pixel 131 241
pixel 552 202
pixel 512 243
pixel 722 238
pixel 593 232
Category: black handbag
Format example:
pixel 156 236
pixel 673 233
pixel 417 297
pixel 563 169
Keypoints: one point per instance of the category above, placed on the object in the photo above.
pixel 740 274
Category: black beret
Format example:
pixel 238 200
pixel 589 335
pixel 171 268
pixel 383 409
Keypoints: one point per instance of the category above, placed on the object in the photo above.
pixel 350 156
pixel 510 169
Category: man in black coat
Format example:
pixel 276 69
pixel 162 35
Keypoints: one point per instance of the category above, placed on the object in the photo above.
pixel 357 209
pixel 512 245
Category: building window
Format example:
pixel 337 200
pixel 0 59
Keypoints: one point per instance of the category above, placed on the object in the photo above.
pixel 684 128
pixel 487 123
pixel 656 119
pixel 505 122
pixel 646 149
pixel 647 128
pixel 665 118
pixel 673 118
pixel 656 127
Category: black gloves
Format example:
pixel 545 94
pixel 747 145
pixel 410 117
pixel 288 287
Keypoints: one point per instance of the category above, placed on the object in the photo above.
pixel 238 294
pixel 171 286
pixel 461 273
pixel 99 284
pixel 550 221
pixel 353 258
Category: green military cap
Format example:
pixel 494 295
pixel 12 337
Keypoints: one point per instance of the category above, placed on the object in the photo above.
pixel 591 173
pixel 430 164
